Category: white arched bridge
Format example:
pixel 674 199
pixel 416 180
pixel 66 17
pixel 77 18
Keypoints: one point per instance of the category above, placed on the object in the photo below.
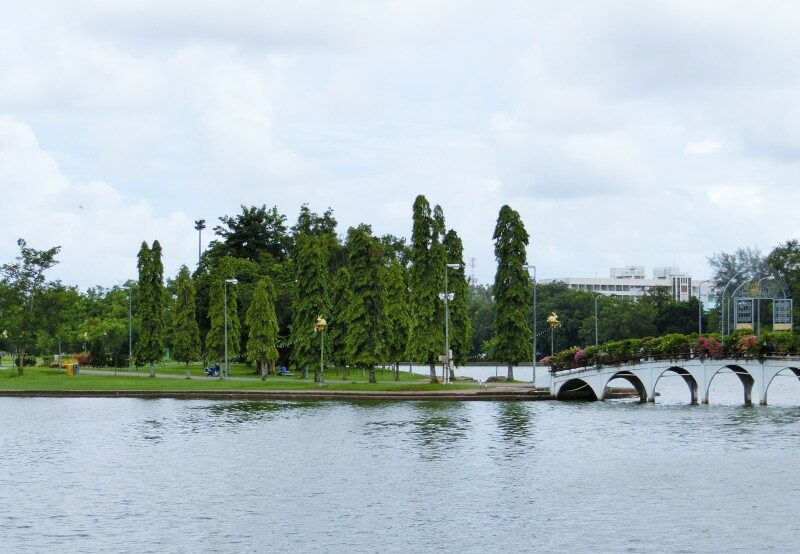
pixel 592 381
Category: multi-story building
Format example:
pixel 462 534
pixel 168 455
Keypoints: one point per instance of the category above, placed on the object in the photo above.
pixel 632 281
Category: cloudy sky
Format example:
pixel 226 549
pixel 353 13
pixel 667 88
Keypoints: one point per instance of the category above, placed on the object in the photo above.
pixel 645 133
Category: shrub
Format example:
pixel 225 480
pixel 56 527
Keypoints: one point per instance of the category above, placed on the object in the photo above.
pixel 83 358
pixel 27 360
pixel 749 345
pixel 709 346
pixel 780 342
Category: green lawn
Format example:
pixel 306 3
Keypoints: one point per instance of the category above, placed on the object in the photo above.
pixel 36 378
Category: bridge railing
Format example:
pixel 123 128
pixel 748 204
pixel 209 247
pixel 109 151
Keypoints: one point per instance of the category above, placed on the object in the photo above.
pixel 620 360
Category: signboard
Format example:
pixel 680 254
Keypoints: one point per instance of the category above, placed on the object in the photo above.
pixel 743 313
pixel 782 314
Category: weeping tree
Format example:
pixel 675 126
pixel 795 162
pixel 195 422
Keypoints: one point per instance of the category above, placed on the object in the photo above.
pixel 310 299
pixel 150 346
pixel 426 276
pixel 460 322
pixel 512 290
pixel 395 321
pixel 362 343
pixel 262 322
pixel 185 332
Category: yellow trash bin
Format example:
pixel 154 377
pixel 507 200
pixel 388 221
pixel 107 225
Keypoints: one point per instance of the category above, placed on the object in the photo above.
pixel 69 368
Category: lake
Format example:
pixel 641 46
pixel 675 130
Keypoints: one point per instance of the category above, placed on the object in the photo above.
pixel 131 475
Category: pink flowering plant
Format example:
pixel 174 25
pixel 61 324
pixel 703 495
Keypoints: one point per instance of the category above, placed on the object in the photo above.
pixel 749 345
pixel 580 355
pixel 709 347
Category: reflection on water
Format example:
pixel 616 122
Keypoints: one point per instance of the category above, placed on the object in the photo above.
pixel 229 476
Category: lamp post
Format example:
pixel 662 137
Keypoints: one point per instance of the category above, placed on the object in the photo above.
pixel 225 373
pixel 596 322
pixel 447 297
pixel 319 327
pixel 700 307
pixel 528 267
pixel 758 302
pixel 200 224
pixel 553 322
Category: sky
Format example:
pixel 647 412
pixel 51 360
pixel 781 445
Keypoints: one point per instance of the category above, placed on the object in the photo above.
pixel 624 133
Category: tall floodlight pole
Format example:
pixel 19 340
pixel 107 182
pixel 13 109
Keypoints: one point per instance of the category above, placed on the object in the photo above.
pixel 225 374
pixel 200 224
pixel 528 267
pixel 700 306
pixel 596 322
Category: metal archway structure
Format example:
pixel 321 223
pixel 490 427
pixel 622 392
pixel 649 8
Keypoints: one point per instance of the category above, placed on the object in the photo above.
pixel 744 305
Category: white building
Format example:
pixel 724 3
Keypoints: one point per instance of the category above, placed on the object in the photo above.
pixel 632 282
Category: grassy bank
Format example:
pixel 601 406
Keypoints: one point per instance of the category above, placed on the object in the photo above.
pixel 42 379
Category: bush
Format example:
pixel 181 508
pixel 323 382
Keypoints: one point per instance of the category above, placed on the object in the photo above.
pixel 709 346
pixel 83 358
pixel 27 360
pixel 749 345
pixel 780 342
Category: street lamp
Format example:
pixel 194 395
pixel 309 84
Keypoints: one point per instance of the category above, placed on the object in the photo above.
pixel 200 224
pixel 596 322
pixel 447 297
pixel 319 327
pixel 700 307
pixel 225 374
pixel 528 267
pixel 758 302
pixel 553 322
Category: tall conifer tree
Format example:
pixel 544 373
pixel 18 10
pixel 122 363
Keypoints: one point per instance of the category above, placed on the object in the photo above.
pixel 512 290
pixel 460 323
pixel 263 325
pixel 363 345
pixel 185 333
pixel 150 347
pixel 426 333
pixel 311 298
pixel 395 319
pixel 337 325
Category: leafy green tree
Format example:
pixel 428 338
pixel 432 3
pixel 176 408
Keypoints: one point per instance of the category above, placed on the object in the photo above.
pixel 185 333
pixel 263 326
pixel 396 319
pixel 253 234
pixel 215 339
pixel 481 315
pixel 337 324
pixel 24 279
pixel 150 346
pixel 363 345
pixel 426 332
pixel 785 261
pixel 512 289
pixel 460 323
pixel 311 298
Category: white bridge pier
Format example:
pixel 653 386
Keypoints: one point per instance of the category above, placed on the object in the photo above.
pixel 755 376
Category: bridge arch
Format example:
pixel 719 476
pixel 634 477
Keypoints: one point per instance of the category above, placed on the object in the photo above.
pixel 795 370
pixel 744 376
pixel 633 379
pixel 576 389
pixel 690 380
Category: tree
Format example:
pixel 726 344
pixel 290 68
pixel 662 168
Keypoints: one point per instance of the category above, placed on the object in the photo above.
pixel 185 333
pixel 481 315
pixel 150 346
pixel 253 234
pixel 263 326
pixel 395 319
pixel 512 289
pixel 24 279
pixel 311 298
pixel 337 324
pixel 363 345
pixel 460 323
pixel 215 339
pixel 785 260
pixel 426 334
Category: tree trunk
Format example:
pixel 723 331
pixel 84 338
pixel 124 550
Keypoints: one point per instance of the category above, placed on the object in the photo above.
pixel 21 367
pixel 152 369
pixel 262 368
pixel 188 374
pixel 397 371
pixel 316 376
pixel 372 378
pixel 452 372
pixel 434 379
pixel 304 373
pixel 510 371
pixel 345 372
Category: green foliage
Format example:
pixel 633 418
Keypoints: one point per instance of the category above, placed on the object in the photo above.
pixel 426 279
pixel 263 324
pixel 311 298
pixel 215 339
pixel 362 344
pixel 149 347
pixel 481 315
pixel 460 323
pixel 255 234
pixel 185 333
pixel 395 320
pixel 337 324
pixel 512 288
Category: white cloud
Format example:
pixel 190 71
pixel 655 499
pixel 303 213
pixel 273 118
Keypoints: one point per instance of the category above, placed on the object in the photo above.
pixel 705 147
